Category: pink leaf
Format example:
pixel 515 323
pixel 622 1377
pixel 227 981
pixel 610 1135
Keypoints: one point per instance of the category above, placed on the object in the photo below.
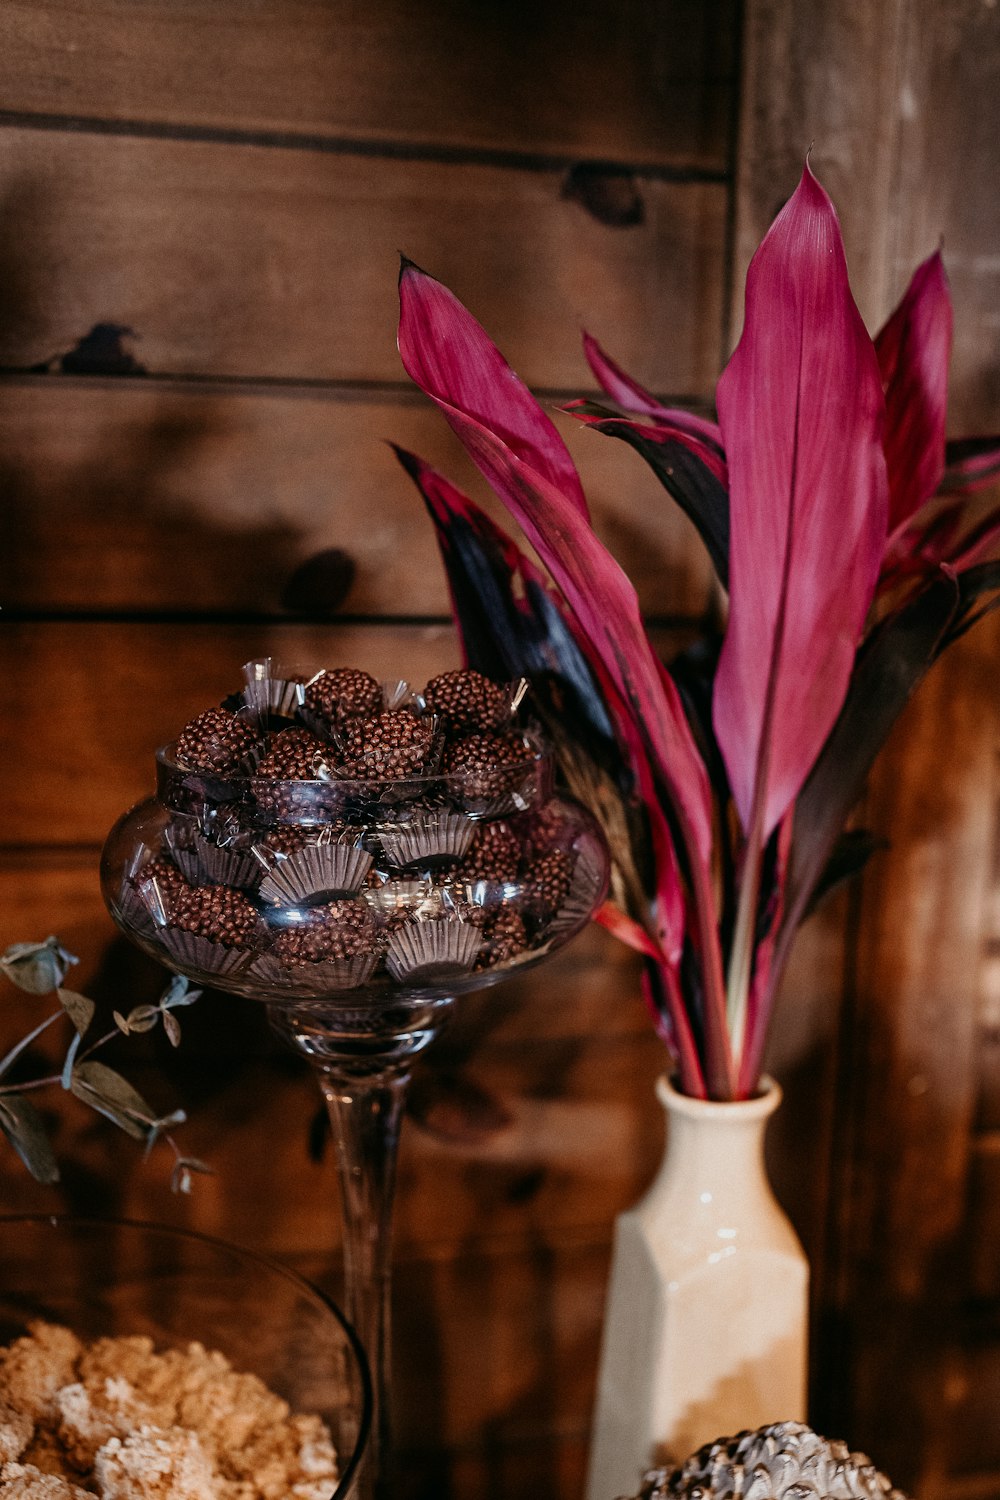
pixel 598 592
pixel 633 397
pixel 627 931
pixel 913 353
pixel 453 357
pixel 801 411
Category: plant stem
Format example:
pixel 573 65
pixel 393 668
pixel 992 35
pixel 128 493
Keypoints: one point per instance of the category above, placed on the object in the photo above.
pixel 15 1052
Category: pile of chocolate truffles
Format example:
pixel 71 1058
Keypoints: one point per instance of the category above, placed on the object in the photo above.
pixel 334 832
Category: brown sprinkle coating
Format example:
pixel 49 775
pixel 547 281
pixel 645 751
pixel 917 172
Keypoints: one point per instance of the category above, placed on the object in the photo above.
pixel 393 744
pixel 548 879
pixel 507 936
pixel 483 754
pixel 495 854
pixel 343 693
pixel 337 930
pixel 164 872
pixel 215 741
pixel 467 701
pixel 294 755
pixel 217 913
pixel 292 838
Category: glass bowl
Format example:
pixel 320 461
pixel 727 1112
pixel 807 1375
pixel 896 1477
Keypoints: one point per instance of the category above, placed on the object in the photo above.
pixel 301 890
pixel 109 1278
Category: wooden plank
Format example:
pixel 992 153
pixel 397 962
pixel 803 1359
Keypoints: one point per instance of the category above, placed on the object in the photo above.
pixel 883 94
pixel 231 260
pixel 123 690
pixel 126 495
pixel 821 78
pixel 653 85
pixel 983 1229
pixel 85 705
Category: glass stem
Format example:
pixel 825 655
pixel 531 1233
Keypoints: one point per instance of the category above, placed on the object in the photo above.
pixel 365 1113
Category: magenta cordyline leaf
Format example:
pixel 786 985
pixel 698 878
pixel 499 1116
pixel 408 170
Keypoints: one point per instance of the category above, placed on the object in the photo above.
pixel 971 464
pixel 913 350
pixel 801 410
pixel 434 336
pixel 692 470
pixel 630 395
pixel 481 383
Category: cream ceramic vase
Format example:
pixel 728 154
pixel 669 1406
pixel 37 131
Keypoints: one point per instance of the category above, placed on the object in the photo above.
pixel 705 1329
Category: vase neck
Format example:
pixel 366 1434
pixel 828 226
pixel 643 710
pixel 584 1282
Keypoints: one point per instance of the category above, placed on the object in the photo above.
pixel 727 1138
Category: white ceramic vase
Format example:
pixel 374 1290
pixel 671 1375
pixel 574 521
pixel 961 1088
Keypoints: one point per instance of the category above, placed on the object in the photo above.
pixel 705 1329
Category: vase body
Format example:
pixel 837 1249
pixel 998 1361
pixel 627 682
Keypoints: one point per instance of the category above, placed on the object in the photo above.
pixel 705 1329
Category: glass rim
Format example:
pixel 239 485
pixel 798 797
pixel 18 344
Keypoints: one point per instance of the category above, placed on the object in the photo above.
pixel 256 1257
pixel 541 757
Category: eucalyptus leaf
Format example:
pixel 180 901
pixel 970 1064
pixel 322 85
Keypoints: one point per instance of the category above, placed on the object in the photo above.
pixel 79 1009
pixel 22 1124
pixel 38 968
pixel 67 1068
pixel 178 992
pixel 113 1096
pixel 180 1178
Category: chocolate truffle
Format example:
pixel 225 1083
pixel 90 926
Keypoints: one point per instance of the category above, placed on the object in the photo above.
pixel 343 693
pixel 495 854
pixel 337 930
pixel 394 744
pixel 216 913
pixel 294 755
pixel 547 880
pixel 215 741
pixel 507 936
pixel 467 700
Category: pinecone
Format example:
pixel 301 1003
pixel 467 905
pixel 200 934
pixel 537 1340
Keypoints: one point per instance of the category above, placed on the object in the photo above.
pixel 338 930
pixel 466 701
pixel 392 745
pixel 215 912
pixel 547 880
pixel 343 693
pixel 507 937
pixel 215 741
pixel 786 1459
pixel 294 756
pixel 495 854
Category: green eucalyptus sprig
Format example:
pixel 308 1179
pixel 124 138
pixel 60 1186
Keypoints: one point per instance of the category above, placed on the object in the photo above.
pixel 40 969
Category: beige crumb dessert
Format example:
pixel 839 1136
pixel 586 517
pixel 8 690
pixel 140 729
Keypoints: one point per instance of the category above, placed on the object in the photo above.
pixel 120 1420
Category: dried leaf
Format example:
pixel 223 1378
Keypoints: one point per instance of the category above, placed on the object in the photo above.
pixel 38 968
pixel 22 1125
pixel 79 1009
pixel 113 1096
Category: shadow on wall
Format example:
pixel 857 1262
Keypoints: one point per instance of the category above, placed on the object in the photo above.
pixel 115 489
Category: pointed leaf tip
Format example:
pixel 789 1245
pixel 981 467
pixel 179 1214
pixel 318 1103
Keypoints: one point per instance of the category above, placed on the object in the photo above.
pixel 452 358
pixel 801 411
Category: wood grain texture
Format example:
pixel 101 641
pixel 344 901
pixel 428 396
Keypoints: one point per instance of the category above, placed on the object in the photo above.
pixel 231 260
pixel 899 101
pixel 123 496
pixel 652 83
pixel 122 690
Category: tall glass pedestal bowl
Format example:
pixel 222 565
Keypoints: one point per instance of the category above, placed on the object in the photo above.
pixel 358 912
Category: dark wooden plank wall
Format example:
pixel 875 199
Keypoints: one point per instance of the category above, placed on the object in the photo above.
pixel 232 185
pixel 900 102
